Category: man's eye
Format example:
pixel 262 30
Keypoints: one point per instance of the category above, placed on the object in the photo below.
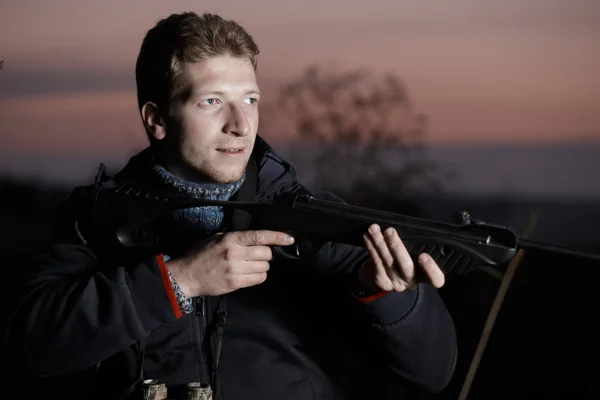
pixel 210 102
pixel 251 100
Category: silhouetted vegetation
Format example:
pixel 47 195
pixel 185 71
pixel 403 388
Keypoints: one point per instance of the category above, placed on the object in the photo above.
pixel 360 121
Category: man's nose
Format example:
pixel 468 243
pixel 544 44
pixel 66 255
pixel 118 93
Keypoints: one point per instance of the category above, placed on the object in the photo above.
pixel 237 122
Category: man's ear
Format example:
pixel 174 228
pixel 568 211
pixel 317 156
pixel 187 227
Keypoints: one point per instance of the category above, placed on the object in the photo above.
pixel 155 123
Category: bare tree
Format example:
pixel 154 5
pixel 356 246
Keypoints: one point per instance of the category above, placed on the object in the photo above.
pixel 370 139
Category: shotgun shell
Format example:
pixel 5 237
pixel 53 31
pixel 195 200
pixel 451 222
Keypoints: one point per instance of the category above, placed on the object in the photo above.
pixel 152 389
pixel 198 391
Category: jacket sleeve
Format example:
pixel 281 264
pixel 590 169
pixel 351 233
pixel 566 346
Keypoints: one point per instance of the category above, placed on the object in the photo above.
pixel 410 336
pixel 413 336
pixel 74 312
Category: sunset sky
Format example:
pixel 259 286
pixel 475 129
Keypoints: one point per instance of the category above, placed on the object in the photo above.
pixel 483 70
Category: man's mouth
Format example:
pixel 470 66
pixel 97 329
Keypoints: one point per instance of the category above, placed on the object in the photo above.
pixel 232 150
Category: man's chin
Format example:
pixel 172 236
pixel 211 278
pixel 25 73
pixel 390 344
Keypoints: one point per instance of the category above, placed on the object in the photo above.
pixel 217 172
pixel 226 176
pixel 227 180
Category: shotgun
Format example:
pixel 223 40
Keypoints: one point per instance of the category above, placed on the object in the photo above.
pixel 128 216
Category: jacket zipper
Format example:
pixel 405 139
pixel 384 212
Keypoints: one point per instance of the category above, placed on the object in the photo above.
pixel 201 326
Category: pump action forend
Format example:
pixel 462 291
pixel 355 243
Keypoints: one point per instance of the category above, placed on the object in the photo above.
pixel 125 216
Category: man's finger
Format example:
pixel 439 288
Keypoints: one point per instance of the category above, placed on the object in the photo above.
pixel 395 271
pixel 406 267
pixel 250 280
pixel 258 253
pixel 381 246
pixel 380 277
pixel 255 267
pixel 263 238
pixel 433 272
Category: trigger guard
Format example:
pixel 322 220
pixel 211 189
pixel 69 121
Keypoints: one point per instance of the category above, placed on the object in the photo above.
pixel 303 248
pixel 295 255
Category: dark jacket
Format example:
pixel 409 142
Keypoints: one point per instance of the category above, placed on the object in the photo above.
pixel 88 326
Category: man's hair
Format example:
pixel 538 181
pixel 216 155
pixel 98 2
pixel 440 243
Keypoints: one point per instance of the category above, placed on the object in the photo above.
pixel 182 38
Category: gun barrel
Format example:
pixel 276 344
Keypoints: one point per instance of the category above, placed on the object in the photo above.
pixel 528 244
pixel 475 234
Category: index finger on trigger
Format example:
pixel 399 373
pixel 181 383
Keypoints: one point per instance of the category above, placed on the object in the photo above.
pixel 266 238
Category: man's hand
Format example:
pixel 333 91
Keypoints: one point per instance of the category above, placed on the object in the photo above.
pixel 227 262
pixel 391 267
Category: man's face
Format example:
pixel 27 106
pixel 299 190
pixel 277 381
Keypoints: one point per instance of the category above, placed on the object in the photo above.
pixel 214 120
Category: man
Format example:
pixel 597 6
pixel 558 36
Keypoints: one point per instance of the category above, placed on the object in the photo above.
pixel 227 311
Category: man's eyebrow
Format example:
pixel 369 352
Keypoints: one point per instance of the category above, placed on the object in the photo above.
pixel 200 93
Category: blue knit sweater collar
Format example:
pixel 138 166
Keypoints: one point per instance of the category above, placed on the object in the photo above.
pixel 197 221
pixel 213 191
